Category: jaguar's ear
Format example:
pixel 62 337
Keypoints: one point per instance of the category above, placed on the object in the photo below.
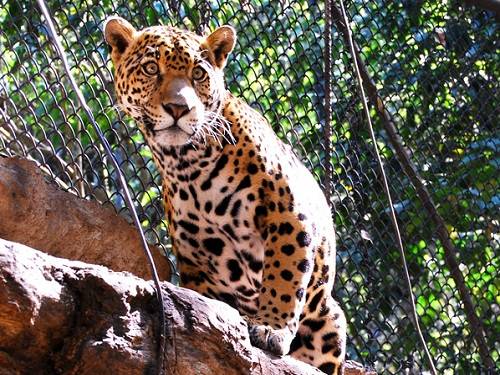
pixel 219 44
pixel 118 33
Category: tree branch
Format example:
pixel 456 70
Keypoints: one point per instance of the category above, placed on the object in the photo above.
pixel 491 5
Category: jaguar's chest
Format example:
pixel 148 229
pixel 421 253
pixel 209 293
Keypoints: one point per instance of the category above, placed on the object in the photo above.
pixel 215 235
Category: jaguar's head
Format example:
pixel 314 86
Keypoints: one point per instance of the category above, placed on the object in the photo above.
pixel 170 80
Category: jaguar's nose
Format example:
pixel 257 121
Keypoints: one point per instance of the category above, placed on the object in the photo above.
pixel 175 110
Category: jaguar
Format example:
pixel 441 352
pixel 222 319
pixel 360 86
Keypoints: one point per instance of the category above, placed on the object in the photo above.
pixel 249 224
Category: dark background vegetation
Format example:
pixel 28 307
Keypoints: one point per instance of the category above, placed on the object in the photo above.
pixel 436 66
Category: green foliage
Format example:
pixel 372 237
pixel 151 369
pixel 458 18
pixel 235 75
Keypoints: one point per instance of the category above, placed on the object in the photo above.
pixel 435 64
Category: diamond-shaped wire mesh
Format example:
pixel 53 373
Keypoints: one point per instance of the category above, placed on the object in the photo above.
pixel 436 68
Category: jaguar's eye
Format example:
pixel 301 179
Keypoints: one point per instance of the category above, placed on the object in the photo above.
pixel 198 73
pixel 150 68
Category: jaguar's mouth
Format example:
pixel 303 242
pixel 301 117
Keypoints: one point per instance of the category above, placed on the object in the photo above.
pixel 172 135
pixel 172 129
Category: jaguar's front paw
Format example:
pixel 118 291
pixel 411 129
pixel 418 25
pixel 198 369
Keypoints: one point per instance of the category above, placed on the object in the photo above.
pixel 276 341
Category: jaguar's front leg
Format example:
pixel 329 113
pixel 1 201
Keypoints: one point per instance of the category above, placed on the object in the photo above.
pixel 288 264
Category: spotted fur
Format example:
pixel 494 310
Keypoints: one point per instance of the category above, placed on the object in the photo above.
pixel 248 222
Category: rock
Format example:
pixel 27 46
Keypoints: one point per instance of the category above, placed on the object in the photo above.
pixel 59 316
pixel 40 215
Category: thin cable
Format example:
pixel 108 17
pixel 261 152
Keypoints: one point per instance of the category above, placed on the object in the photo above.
pixel 121 179
pixel 327 130
pixel 386 189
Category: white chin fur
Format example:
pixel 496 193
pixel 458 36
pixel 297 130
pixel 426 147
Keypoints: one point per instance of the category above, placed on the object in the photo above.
pixel 175 137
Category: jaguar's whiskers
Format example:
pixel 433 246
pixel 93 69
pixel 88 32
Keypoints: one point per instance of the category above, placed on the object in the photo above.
pixel 214 126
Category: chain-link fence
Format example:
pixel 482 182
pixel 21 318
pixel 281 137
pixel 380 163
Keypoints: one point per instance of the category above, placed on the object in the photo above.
pixel 435 65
